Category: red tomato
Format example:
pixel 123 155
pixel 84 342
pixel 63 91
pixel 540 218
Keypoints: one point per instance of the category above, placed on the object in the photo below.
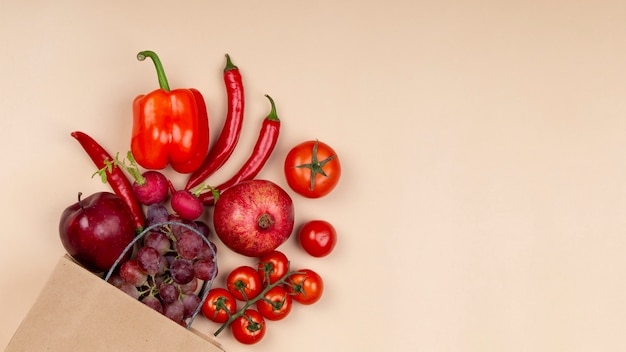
pixel 306 287
pixel 318 238
pixel 217 303
pixel 244 283
pixel 312 169
pixel 275 304
pixel 249 328
pixel 274 266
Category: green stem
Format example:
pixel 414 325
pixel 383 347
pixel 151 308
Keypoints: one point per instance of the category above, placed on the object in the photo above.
pixel 159 67
pixel 272 115
pixel 260 296
pixel 202 187
pixel 133 169
pixel 316 166
pixel 229 64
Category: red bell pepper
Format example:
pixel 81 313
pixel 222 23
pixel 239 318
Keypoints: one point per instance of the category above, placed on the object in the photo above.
pixel 169 126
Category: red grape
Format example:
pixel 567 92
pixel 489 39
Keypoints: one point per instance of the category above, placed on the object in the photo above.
pixel 153 302
pixel 175 311
pixel 181 271
pixel 149 260
pixel 158 241
pixel 168 292
pixel 204 269
pixel 189 287
pixel 190 303
pixel 132 273
pixel 188 244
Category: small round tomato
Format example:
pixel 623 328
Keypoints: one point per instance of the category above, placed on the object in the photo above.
pixel 273 265
pixel 218 304
pixel 275 304
pixel 312 169
pixel 244 283
pixel 317 237
pixel 249 328
pixel 306 287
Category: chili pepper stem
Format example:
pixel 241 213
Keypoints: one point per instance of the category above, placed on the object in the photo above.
pixel 260 296
pixel 272 115
pixel 159 67
pixel 229 64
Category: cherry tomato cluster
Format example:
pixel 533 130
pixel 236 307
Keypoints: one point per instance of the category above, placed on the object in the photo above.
pixel 267 292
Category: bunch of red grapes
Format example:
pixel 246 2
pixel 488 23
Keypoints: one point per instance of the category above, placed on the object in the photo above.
pixel 171 267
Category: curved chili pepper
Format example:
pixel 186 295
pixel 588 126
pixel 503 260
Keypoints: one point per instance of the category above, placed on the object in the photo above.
pixel 114 175
pixel 263 148
pixel 229 136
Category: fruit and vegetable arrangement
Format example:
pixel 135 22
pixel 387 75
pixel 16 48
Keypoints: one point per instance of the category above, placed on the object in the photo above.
pixel 154 240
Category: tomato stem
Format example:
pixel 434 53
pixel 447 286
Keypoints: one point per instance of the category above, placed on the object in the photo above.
pixel 316 167
pixel 260 296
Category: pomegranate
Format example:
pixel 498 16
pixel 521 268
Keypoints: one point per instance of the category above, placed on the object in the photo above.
pixel 253 217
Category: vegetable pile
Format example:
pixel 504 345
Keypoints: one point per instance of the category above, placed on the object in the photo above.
pixel 154 240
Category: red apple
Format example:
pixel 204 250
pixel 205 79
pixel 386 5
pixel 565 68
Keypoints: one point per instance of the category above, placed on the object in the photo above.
pixel 253 217
pixel 95 230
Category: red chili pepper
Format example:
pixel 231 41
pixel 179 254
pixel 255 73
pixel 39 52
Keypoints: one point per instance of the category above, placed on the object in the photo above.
pixel 262 150
pixel 229 136
pixel 169 126
pixel 114 175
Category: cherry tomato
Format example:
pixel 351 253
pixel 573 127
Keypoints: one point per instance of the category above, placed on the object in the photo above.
pixel 244 283
pixel 275 304
pixel 217 303
pixel 249 328
pixel 306 287
pixel 317 237
pixel 312 169
pixel 273 265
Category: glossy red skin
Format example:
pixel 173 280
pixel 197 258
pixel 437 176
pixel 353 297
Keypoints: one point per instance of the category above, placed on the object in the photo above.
pixel 96 231
pixel 261 152
pixel 241 331
pixel 211 312
pixel 280 266
pixel 278 295
pixel 229 136
pixel 170 127
pixel 299 179
pixel 311 286
pixel 318 238
pixel 247 277
pixel 239 209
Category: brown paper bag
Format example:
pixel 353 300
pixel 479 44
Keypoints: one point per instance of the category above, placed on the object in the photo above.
pixel 78 311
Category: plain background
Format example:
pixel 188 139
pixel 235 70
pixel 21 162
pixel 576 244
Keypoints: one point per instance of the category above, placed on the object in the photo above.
pixel 483 201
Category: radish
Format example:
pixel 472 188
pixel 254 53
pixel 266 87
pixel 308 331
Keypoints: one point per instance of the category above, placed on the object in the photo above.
pixel 186 203
pixel 150 187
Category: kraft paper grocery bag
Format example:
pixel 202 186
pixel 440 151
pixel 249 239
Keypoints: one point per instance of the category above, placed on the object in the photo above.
pixel 78 311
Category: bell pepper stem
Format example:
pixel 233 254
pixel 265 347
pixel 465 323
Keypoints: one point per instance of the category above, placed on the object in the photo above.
pixel 159 67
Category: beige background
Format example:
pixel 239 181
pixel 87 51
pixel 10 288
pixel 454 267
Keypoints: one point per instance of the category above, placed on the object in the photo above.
pixel 483 201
